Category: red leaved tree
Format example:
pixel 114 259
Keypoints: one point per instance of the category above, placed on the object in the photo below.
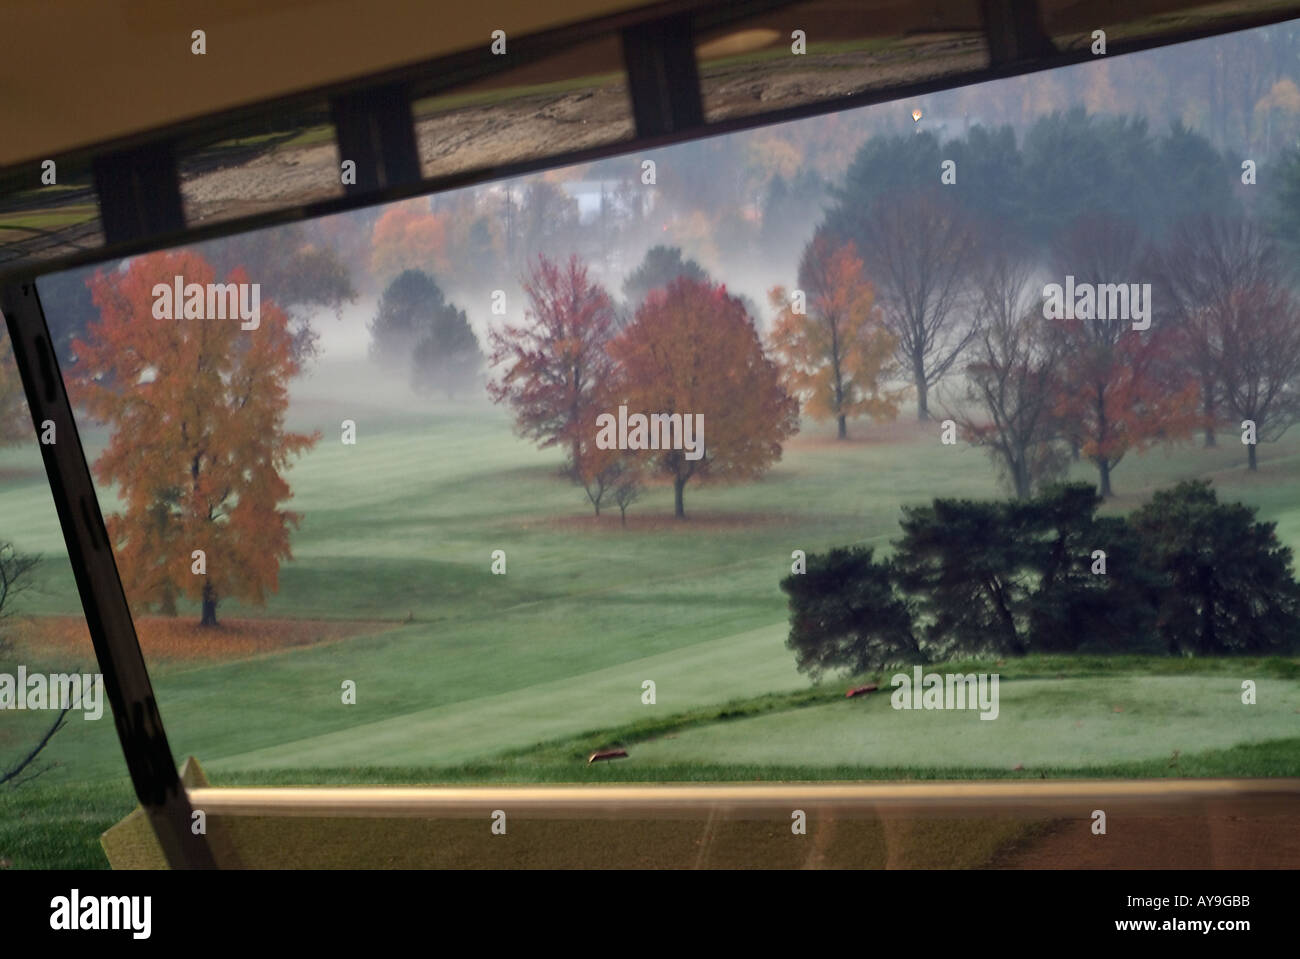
pixel 556 361
pixel 1121 389
pixel 198 444
pixel 692 349
pixel 1119 392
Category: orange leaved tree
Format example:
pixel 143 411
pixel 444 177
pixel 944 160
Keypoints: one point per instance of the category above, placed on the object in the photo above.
pixel 408 236
pixel 198 444
pixel 692 350
pixel 836 351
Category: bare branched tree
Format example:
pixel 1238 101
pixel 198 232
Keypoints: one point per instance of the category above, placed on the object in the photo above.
pixel 1259 368
pixel 15 578
pixel 1011 376
pixel 1207 259
pixel 16 571
pixel 14 774
pixel 919 253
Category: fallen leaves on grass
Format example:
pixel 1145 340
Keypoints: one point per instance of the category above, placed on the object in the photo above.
pixel 169 640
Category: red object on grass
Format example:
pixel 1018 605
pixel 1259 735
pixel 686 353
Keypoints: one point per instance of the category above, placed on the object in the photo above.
pixel 600 754
pixel 861 690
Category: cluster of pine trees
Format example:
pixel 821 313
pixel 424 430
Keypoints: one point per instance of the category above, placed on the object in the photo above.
pixel 1182 575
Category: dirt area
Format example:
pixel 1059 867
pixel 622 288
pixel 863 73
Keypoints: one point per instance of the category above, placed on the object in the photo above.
pixel 739 89
pixel 167 640
pixel 450 142
pixel 522 128
pixel 1228 838
pixel 542 124
pixel 269 181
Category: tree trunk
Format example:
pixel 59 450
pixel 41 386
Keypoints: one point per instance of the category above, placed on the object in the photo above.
pixel 1205 583
pixel 622 510
pixel 1020 471
pixel 209 606
pixel 922 399
pixel 844 430
pixel 1208 407
pixel 1014 643
pixel 1103 467
pixel 1250 457
pixel 679 484
pixel 1074 450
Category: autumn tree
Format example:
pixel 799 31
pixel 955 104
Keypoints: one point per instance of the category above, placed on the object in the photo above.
pixel 1259 361
pixel 692 350
pixel 408 236
pixel 836 351
pixel 555 361
pixel 198 445
pixel 1207 261
pixel 1114 399
pixel 1012 377
pixel 1121 389
pixel 606 474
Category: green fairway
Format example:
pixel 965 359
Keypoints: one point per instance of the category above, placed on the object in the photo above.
pixel 701 674
pixel 478 676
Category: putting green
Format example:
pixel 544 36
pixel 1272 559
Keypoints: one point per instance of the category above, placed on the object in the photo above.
pixel 1041 723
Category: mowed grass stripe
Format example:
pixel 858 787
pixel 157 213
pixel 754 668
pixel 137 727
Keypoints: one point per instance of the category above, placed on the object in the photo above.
pixel 694 676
